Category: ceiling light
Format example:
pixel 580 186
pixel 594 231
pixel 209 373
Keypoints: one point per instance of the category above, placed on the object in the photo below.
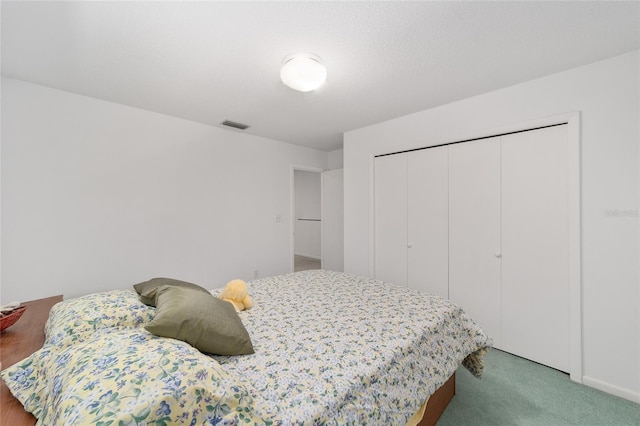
pixel 303 72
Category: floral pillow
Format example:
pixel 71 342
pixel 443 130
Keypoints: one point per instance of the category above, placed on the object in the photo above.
pixel 75 320
pixel 131 377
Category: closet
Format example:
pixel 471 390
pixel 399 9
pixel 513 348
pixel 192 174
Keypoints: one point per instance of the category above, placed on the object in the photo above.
pixel 484 223
pixel 475 255
pixel 411 217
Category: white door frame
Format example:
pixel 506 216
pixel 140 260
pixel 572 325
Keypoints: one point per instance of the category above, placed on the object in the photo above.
pixel 292 208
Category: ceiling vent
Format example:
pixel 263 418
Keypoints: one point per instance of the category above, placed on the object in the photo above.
pixel 234 124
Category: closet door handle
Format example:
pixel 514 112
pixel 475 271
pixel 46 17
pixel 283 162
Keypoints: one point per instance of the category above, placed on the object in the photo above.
pixel 409 245
pixel 498 255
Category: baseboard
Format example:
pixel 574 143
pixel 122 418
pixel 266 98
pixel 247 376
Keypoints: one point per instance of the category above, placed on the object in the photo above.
pixel 311 256
pixel 613 390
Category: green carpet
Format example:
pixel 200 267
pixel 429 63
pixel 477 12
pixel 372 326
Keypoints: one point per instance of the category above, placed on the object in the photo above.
pixel 515 391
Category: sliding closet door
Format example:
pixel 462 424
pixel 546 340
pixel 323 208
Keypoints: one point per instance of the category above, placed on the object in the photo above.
pixel 474 231
pixel 535 272
pixel 390 220
pixel 428 226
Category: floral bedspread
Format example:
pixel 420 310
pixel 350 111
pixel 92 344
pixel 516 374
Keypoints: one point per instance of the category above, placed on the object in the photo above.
pixel 333 348
pixel 330 348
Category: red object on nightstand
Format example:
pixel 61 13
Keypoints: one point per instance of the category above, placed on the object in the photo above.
pixel 10 319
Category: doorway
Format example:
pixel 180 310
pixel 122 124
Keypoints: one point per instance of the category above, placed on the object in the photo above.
pixel 307 219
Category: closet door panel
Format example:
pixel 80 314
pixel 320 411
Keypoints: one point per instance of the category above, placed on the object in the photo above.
pixel 535 273
pixel 474 231
pixel 390 218
pixel 428 223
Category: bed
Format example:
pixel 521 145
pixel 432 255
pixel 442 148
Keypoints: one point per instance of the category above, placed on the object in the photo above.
pixel 329 348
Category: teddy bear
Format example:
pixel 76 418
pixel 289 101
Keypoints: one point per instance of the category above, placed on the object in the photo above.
pixel 236 293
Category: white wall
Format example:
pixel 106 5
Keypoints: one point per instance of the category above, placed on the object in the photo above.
pixel 307 226
pixel 607 95
pixel 336 160
pixel 333 220
pixel 97 195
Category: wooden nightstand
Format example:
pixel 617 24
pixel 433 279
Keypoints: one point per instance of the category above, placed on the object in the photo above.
pixel 16 343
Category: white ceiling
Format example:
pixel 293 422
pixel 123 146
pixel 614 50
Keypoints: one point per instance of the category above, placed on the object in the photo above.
pixel 211 61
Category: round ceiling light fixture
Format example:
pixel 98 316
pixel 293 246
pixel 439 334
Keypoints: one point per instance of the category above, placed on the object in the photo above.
pixel 303 71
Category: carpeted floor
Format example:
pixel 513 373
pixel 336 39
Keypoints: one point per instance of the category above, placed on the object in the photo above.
pixel 515 391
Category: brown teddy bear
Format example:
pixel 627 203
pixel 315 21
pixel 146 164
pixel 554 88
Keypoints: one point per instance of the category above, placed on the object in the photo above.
pixel 236 293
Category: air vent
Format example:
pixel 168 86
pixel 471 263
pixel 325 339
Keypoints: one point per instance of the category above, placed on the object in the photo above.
pixel 235 125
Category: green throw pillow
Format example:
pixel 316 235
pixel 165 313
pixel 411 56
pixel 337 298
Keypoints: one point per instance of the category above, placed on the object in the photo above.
pixel 204 321
pixel 147 289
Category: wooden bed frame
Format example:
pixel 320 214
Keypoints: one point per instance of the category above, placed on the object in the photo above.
pixel 438 402
pixel 27 336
